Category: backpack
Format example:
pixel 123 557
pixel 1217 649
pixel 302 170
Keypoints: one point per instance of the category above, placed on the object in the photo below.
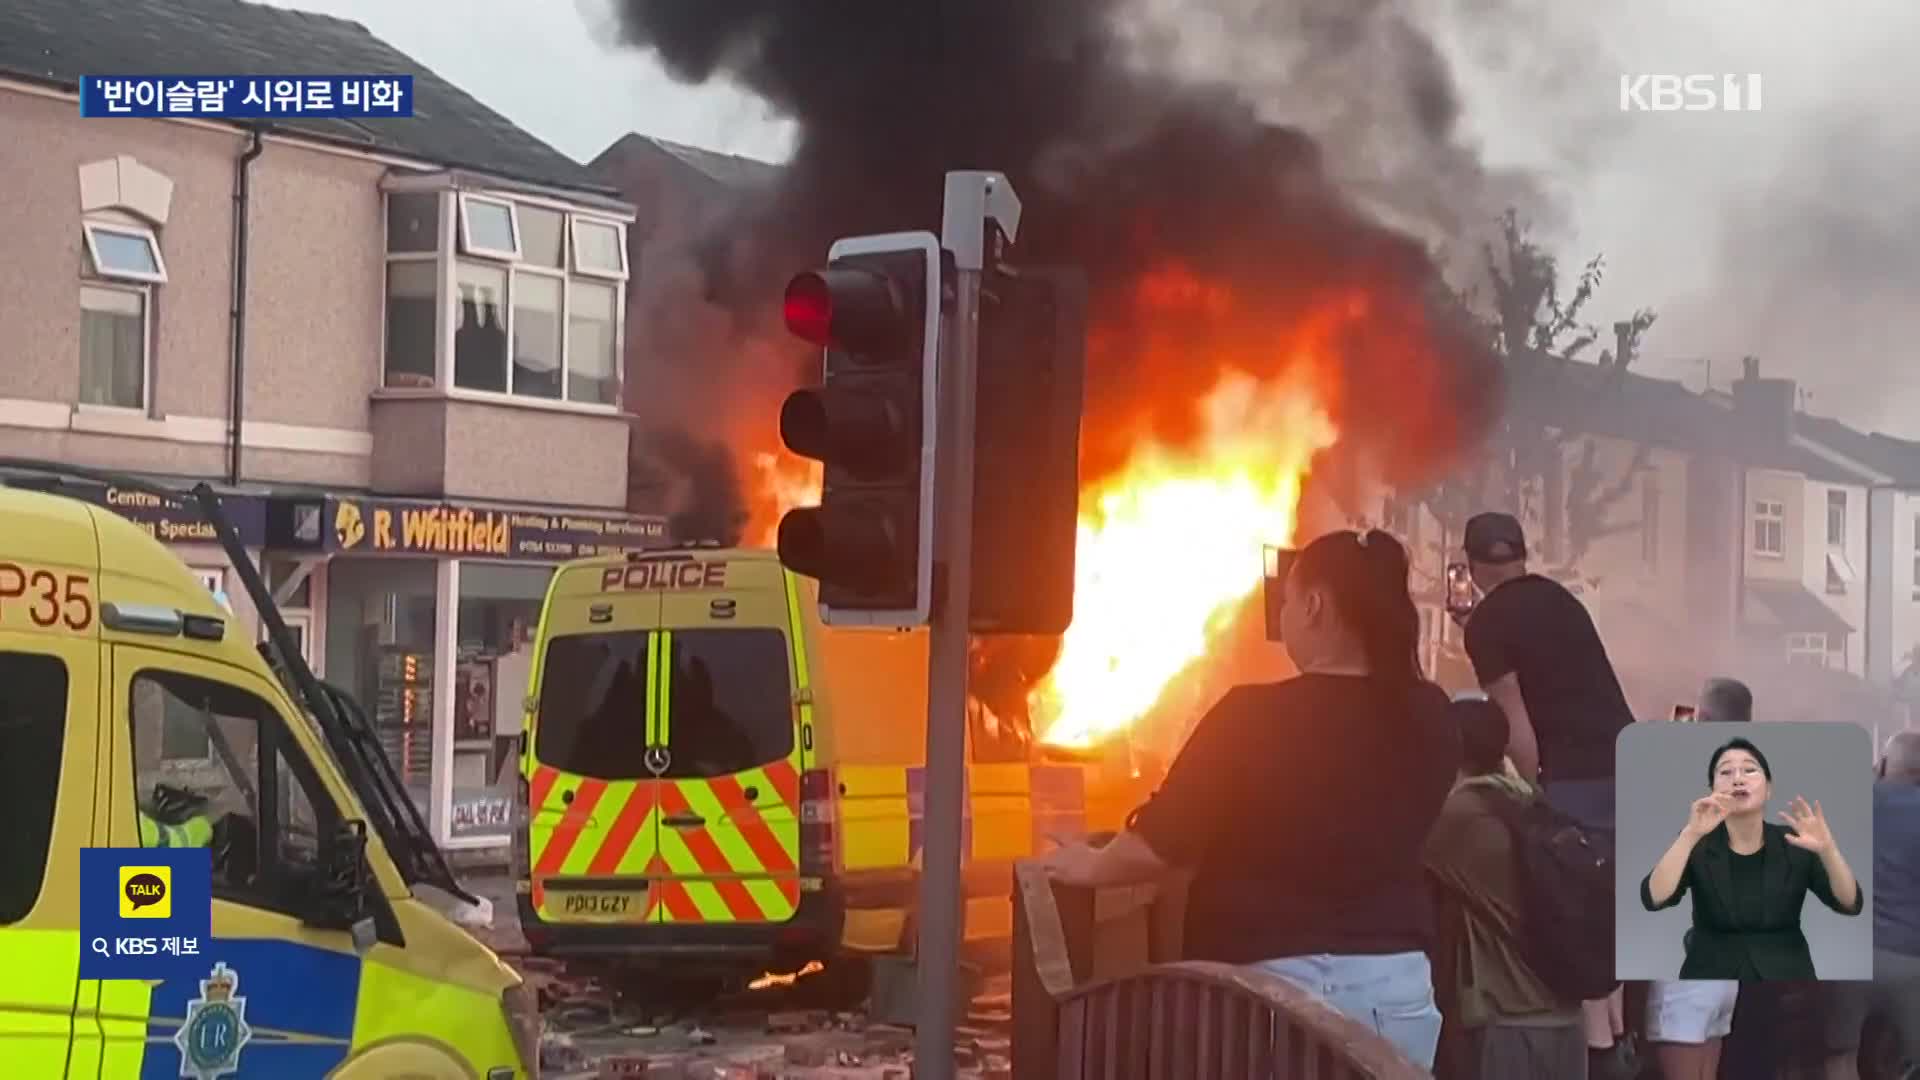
pixel 1565 875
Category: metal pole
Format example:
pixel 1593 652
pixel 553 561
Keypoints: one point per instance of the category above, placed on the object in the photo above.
pixel 939 960
pixel 973 199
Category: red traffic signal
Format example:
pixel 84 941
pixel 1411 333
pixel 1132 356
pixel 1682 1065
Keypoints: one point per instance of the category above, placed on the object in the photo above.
pixel 845 307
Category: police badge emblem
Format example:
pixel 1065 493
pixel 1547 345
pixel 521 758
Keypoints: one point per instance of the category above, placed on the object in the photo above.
pixel 216 1028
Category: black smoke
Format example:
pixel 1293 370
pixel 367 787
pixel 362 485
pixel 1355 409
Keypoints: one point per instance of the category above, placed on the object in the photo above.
pixel 1127 160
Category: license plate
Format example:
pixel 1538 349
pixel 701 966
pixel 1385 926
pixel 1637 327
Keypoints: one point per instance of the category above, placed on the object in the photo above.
pixel 601 905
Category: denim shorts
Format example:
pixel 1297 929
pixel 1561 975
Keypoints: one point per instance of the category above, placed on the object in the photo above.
pixel 1391 993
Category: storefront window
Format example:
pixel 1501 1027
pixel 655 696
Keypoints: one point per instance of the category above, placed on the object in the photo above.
pixel 499 608
pixel 381 634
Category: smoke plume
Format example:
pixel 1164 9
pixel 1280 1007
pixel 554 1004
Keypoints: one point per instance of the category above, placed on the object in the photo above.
pixel 1141 136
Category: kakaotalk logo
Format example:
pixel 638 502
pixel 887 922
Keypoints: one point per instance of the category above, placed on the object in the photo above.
pixel 1689 93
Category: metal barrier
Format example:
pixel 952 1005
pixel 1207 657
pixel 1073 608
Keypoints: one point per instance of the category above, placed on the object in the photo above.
pixel 1096 994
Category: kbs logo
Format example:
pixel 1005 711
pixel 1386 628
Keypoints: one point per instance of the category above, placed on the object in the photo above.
pixel 1689 93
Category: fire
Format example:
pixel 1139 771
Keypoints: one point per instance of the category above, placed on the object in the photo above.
pixel 770 980
pixel 1170 548
pixel 1169 545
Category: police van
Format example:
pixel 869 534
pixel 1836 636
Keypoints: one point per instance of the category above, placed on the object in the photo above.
pixel 713 776
pixel 130 705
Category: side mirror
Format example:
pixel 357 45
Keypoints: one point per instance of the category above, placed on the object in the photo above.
pixel 341 900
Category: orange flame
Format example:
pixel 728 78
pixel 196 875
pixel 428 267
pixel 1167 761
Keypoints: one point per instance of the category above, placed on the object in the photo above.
pixel 770 980
pixel 1170 542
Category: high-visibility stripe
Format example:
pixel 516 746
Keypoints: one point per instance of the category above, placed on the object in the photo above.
pixel 560 843
pixel 656 734
pixel 540 787
pixel 665 676
pixel 36 999
pixel 721 896
pixel 771 854
pixel 635 816
pixel 797 642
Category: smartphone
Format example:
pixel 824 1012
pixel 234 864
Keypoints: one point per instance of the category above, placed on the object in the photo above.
pixel 1685 714
pixel 1460 592
pixel 1279 561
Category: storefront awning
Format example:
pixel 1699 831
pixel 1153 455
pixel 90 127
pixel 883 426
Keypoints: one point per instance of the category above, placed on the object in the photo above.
pixel 1787 607
pixel 172 521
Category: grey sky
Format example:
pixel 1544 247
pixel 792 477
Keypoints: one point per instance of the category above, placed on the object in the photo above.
pixel 1792 233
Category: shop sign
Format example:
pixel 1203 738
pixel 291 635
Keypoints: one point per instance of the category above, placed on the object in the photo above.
pixel 478 814
pixel 397 527
pixel 169 520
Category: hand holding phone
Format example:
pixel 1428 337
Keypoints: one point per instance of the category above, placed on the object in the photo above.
pixel 1461 595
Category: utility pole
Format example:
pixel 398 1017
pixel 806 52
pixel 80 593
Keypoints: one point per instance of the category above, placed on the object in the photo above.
pixel 982 214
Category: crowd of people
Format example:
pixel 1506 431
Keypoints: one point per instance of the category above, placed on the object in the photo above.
pixel 1355 832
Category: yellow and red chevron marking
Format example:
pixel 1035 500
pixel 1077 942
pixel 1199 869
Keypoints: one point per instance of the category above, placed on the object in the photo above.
pixel 736 867
pixel 597 832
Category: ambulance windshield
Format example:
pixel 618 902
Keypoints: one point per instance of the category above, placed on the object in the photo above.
pixel 727 707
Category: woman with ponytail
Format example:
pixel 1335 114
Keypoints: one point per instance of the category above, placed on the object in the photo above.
pixel 1302 806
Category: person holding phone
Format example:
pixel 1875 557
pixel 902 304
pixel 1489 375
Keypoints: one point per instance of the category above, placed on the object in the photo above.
pixel 1749 876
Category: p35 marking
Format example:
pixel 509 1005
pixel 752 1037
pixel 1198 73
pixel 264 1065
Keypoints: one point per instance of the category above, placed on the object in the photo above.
pixel 45 599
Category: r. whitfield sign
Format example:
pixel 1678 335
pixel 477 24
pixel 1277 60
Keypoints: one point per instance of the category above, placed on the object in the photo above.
pixel 396 527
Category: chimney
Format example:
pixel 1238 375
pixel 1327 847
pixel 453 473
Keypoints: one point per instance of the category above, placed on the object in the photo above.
pixel 1765 407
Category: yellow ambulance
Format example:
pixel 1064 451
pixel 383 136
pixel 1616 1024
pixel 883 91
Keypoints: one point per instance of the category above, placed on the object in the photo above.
pixel 713 776
pixel 126 688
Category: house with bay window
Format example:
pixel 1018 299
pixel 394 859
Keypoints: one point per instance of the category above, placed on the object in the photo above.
pixel 394 345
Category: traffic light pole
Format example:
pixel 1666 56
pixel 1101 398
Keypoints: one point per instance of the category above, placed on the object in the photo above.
pixel 976 203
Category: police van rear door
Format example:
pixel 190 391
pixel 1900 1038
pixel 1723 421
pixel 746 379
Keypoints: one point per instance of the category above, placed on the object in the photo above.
pixel 593 787
pixel 729 801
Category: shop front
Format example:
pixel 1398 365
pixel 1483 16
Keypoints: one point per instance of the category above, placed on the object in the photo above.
pixel 430 609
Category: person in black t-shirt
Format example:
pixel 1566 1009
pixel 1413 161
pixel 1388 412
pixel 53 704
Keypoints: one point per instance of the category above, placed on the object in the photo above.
pixel 1538 655
pixel 1303 806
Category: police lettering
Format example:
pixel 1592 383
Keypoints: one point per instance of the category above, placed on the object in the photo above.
pixel 45 599
pixel 663 574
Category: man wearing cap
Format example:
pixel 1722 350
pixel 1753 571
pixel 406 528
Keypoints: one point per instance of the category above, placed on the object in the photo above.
pixel 1539 657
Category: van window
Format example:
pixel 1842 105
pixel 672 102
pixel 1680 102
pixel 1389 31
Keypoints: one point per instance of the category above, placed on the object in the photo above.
pixel 593 705
pixel 254 789
pixel 33 729
pixel 730 706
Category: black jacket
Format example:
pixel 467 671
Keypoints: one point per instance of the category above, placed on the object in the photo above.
pixel 1723 935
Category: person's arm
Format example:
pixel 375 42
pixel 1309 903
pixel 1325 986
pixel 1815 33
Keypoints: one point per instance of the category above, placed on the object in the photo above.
pixel 1832 880
pixel 1672 875
pixel 1523 749
pixel 1173 828
pixel 1494 667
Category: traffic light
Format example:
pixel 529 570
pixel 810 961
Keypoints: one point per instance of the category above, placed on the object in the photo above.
pixel 1026 463
pixel 875 310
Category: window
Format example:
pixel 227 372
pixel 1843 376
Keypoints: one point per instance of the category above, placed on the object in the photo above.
pixel 413 290
pixel 125 252
pixel 1650 520
pixel 597 248
pixel 592 344
pixel 1807 649
pixel 113 347
pixel 1836 518
pixel 480 328
pixel 536 307
pixel 1769 528
pixel 728 704
pixel 413 222
pixel 536 334
pixel 254 790
pixel 487 228
pixel 33 731
pixel 543 238
pixel 591 686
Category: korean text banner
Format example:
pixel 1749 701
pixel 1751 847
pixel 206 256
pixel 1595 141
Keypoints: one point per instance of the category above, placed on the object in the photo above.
pixel 145 913
pixel 251 96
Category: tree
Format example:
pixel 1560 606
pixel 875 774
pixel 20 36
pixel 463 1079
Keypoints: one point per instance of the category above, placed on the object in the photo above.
pixel 1538 460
